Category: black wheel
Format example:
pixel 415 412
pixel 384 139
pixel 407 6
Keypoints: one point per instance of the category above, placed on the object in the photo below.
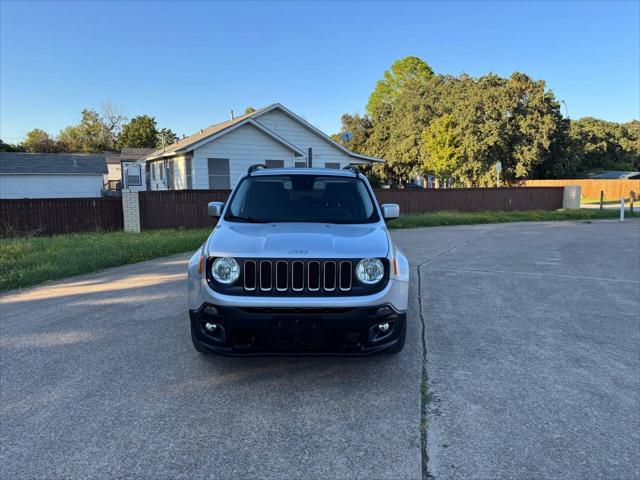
pixel 399 345
pixel 196 343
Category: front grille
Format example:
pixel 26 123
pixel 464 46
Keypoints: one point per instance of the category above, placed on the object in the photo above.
pixel 281 277
pixel 297 275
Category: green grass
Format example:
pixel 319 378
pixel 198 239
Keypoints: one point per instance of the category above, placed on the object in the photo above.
pixel 596 201
pixel 435 219
pixel 26 261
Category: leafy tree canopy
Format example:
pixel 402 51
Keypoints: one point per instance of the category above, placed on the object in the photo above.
pixel 394 80
pixel 93 134
pixel 440 147
pixel 166 137
pixel 460 126
pixel 39 141
pixel 8 147
pixel 140 132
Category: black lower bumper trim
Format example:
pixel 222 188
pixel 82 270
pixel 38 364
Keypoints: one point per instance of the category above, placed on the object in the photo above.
pixel 282 331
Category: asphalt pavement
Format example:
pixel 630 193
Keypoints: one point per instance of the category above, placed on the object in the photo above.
pixel 532 335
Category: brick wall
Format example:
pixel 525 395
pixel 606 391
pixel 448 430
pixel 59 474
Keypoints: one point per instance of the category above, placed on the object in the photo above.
pixel 131 211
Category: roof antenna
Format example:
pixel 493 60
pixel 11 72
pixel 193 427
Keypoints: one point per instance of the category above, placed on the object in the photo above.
pixel 231 114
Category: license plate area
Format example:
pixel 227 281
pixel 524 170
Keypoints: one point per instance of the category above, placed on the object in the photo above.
pixel 292 326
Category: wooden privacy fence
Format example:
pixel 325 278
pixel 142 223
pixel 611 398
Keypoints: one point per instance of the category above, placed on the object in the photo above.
pixel 49 216
pixel 178 208
pixel 188 208
pixel 473 199
pixel 590 188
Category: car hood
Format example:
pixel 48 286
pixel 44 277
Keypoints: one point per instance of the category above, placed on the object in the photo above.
pixel 298 240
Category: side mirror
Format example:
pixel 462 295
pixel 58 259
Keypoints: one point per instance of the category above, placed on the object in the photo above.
pixel 214 209
pixel 390 211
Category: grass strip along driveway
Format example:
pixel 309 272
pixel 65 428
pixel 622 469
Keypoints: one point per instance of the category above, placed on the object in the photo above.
pixel 26 261
pixel 444 218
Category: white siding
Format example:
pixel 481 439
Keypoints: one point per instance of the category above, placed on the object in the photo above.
pixel 303 138
pixel 243 147
pixel 50 186
pixel 179 174
pixel 114 172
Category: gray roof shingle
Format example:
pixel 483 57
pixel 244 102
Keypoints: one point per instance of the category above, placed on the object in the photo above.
pixel 16 163
pixel 204 133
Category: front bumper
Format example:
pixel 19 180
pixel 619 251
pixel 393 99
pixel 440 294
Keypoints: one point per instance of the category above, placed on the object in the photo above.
pixel 295 330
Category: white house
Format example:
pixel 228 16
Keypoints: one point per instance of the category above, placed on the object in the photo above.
pixel 51 175
pixel 216 156
pixel 118 162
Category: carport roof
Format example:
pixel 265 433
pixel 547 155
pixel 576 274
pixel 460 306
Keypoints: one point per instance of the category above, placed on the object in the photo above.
pixel 51 163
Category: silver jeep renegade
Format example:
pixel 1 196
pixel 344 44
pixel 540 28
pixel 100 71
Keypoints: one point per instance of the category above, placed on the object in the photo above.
pixel 300 261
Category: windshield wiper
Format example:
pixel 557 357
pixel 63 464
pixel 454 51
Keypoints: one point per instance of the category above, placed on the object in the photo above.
pixel 246 219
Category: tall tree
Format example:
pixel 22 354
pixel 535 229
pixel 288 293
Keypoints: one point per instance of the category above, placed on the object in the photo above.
pixel 112 117
pixel 140 132
pixel 440 147
pixel 91 135
pixel 39 141
pixel 8 147
pixel 394 80
pixel 354 132
pixel 166 137
pixel 395 136
pixel 602 145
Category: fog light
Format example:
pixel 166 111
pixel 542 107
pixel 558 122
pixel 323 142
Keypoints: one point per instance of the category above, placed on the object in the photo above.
pixel 211 327
pixel 383 327
pixel 210 310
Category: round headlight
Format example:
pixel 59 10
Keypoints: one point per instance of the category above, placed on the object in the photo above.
pixel 225 270
pixel 370 271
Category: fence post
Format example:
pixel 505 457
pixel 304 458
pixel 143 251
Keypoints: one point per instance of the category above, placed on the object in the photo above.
pixel 601 199
pixel 131 211
pixel 571 197
pixel 632 194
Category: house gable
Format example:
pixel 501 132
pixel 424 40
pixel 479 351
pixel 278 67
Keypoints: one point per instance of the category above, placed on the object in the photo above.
pixel 355 157
pixel 243 147
pixel 282 125
pixel 293 131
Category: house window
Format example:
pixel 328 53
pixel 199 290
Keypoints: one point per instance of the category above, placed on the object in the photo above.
pixel 301 164
pixel 332 165
pixel 171 177
pixel 188 173
pixel 134 176
pixel 274 163
pixel 219 173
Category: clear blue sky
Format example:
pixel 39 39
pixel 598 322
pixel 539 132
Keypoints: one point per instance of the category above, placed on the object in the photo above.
pixel 188 64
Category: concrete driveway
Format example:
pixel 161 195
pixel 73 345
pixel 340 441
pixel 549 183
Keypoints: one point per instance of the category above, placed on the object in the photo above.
pixel 532 356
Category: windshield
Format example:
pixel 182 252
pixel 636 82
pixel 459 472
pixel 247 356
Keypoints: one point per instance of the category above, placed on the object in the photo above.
pixel 302 198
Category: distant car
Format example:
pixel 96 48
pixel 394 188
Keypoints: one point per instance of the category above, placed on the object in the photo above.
pixel 412 186
pixel 300 262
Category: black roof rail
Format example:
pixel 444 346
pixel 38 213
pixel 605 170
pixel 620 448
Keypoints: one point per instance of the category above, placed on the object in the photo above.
pixel 352 168
pixel 254 167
